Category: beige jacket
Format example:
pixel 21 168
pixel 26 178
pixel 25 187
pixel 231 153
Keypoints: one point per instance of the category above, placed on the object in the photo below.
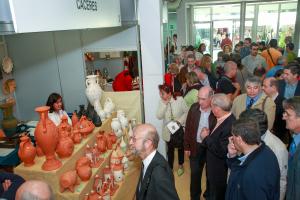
pixel 179 110
pixel 281 154
pixel 239 105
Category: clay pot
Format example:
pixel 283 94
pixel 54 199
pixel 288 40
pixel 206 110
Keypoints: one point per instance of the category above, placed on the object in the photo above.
pixel 124 122
pixel 65 147
pixel 101 143
pixel 112 137
pixel 83 161
pixel 120 113
pixel 109 142
pixel 26 151
pixel 93 91
pixel 109 106
pixel 85 126
pixel 123 145
pixel 97 183
pixel 64 126
pixel 76 136
pixel 68 180
pixel 46 136
pixel 74 119
pixel 107 174
pixel 84 172
pixel 116 157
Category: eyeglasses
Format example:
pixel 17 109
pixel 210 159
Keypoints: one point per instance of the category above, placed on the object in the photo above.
pixel 134 139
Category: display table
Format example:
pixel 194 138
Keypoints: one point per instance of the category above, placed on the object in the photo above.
pixel 125 191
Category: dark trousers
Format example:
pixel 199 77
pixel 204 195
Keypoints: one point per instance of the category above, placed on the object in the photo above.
pixel 170 154
pixel 216 191
pixel 197 164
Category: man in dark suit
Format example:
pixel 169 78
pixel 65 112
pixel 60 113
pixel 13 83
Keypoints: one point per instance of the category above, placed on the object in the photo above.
pixel 205 77
pixel 156 179
pixel 270 87
pixel 216 143
pixel 199 117
pixel 290 86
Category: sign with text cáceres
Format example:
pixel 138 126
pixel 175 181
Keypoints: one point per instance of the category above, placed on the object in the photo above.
pixel 53 15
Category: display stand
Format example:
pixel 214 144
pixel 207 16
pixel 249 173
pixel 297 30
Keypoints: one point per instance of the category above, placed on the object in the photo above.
pixel 125 191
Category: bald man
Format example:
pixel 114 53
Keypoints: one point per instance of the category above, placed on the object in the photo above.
pixel 270 87
pixel 34 189
pixel 156 179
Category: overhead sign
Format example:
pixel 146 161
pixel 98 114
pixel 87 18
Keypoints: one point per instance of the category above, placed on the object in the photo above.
pixel 52 15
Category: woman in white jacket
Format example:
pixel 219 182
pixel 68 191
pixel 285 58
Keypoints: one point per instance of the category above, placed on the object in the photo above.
pixel 171 108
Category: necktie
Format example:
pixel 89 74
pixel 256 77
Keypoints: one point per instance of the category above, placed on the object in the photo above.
pixel 250 103
pixel 141 176
pixel 292 150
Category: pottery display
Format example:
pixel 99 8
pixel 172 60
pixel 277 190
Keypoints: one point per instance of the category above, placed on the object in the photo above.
pixel 125 163
pixel 96 157
pixel 76 136
pixel 112 136
pixel 116 127
pixel 123 145
pixel 74 119
pixel 46 136
pixel 84 171
pixel 83 161
pixel 65 147
pixel 109 107
pixel 118 173
pixel 64 126
pixel 68 181
pixel 93 91
pixel 85 126
pixel 101 143
pixel 26 151
pixel 9 122
pixel 97 183
pixel 116 157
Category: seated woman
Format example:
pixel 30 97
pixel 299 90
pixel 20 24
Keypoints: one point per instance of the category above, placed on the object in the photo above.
pixel 56 109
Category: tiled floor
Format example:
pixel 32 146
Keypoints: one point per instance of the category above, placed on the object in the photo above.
pixel 183 182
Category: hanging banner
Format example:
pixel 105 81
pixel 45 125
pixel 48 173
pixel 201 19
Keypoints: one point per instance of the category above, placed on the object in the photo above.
pixel 53 15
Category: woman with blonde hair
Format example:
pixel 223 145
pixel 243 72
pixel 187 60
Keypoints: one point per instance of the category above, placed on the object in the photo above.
pixel 172 80
pixel 193 85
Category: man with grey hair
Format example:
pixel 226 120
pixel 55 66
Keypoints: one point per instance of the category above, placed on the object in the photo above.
pixel 254 98
pixel 156 178
pixel 225 84
pixel 34 189
pixel 216 142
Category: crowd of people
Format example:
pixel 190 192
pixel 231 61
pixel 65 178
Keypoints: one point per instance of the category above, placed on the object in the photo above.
pixel 240 119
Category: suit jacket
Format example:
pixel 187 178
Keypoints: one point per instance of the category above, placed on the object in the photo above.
pixel 279 127
pixel 158 181
pixel 216 152
pixel 282 85
pixel 191 128
pixel 293 183
pixel 239 105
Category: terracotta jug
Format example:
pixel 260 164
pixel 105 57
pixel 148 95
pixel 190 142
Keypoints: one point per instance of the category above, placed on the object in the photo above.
pixel 85 126
pixel 64 126
pixel 74 119
pixel 65 147
pixel 27 151
pixel 109 143
pixel 83 161
pixel 76 136
pixel 84 172
pixel 68 180
pixel 46 136
pixel 39 151
pixel 101 143
pixel 113 137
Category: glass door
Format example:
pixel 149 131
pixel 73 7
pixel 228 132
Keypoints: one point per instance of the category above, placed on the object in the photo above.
pixel 202 34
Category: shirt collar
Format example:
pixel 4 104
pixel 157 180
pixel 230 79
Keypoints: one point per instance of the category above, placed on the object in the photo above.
pixel 148 160
pixel 202 111
pixel 255 98
pixel 223 117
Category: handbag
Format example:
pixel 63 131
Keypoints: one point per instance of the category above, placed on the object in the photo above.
pixel 176 131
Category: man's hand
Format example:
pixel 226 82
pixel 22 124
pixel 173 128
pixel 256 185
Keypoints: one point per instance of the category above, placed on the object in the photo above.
pixel 232 152
pixel 204 133
pixel 187 153
pixel 6 184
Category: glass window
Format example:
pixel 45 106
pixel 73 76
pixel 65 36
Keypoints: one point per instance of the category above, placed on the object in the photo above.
pixel 267 22
pixel 249 11
pixel 287 21
pixel 222 12
pixel 201 14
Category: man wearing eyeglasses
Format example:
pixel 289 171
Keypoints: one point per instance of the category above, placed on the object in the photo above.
pixel 254 61
pixel 156 178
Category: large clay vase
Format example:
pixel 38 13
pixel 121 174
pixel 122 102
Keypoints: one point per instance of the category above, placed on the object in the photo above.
pixel 9 122
pixel 46 135
pixel 27 151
